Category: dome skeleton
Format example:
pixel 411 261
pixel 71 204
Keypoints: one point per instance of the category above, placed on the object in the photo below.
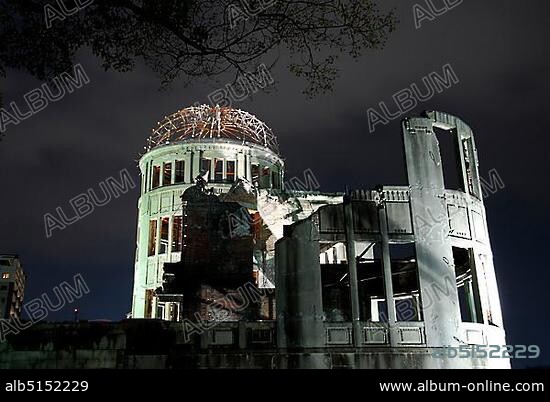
pixel 212 122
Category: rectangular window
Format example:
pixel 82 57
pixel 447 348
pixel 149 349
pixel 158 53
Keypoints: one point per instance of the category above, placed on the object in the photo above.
pixel 205 166
pixel 266 177
pixel 180 171
pixel 230 171
pixel 167 174
pixel 149 299
pixel 370 281
pixel 255 173
pixel 274 179
pixel 6 275
pixel 160 312
pixel 453 174
pixel 218 170
pixel 177 234
pixel 152 237
pixel 164 225
pixel 335 286
pixel 467 286
pixel 406 288
pixel 156 177
pixel 174 312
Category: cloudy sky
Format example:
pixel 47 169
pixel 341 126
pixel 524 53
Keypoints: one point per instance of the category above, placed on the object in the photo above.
pixel 498 50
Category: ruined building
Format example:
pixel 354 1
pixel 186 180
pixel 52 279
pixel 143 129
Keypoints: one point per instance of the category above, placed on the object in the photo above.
pixel 230 219
pixel 373 278
pixel 235 268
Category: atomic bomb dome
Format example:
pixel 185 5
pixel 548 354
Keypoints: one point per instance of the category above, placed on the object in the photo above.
pixel 260 274
pixel 223 146
pixel 213 122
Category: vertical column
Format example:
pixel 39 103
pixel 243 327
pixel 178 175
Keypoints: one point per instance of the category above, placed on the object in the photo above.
pixel 140 275
pixel 157 240
pixel 239 165
pixel 147 176
pixel 388 283
pixel 173 171
pixel 196 165
pixel 248 166
pixel 468 288
pixel 189 166
pixel 170 234
pixel 143 180
pixel 352 269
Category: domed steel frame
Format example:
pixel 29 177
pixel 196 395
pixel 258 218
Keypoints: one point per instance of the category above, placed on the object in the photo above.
pixel 211 122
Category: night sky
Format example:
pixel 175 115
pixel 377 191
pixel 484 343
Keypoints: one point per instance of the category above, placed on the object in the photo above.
pixel 499 51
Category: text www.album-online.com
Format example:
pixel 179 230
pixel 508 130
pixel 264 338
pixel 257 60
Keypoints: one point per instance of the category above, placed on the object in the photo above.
pixel 486 386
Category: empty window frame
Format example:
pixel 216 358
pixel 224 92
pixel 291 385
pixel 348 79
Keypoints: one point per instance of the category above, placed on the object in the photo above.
pixel 149 299
pixel 151 250
pixel 173 310
pixel 155 177
pixel 266 177
pixel 164 226
pixel 335 284
pixel 205 166
pixel 275 179
pixel 255 170
pixel 177 234
pixel 167 174
pixel 467 285
pixel 370 283
pixel 230 171
pixel 218 170
pixel 450 159
pixel 160 311
pixel 405 283
pixel 180 172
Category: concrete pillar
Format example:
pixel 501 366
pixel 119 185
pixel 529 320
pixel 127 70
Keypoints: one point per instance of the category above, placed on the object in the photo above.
pixel 388 284
pixel 352 270
pixel 191 166
pixel 197 164
pixel 298 296
pixel 241 167
pixel 248 167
